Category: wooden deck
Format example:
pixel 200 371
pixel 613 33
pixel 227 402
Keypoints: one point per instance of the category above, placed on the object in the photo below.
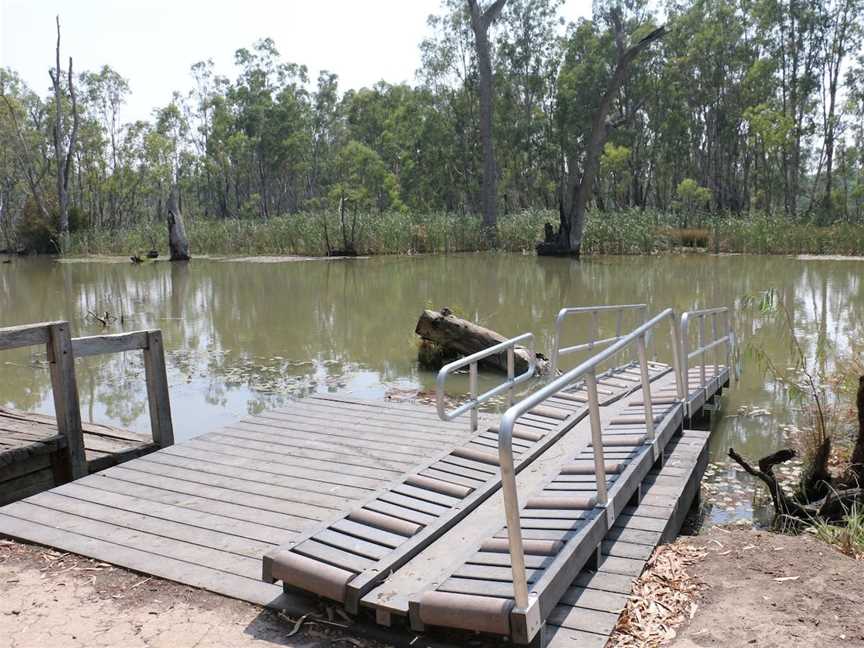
pixel 205 512
pixel 30 445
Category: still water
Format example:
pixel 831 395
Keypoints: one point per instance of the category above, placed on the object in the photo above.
pixel 245 335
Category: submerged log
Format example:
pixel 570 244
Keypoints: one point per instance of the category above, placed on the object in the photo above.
pixel 458 337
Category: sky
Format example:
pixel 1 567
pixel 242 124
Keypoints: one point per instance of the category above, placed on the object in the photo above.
pixel 153 43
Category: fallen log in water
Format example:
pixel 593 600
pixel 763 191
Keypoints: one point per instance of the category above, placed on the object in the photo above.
pixel 455 337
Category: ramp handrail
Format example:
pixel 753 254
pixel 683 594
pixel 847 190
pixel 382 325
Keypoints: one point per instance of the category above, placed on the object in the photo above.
pixel 564 313
pixel 475 399
pixel 703 347
pixel 587 371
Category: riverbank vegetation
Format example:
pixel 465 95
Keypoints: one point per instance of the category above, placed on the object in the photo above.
pixel 621 232
pixel 742 118
pixel 828 498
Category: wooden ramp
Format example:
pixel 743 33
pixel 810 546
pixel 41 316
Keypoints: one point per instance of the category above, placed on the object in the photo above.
pixel 346 558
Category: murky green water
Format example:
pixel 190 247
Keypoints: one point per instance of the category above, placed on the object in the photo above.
pixel 242 336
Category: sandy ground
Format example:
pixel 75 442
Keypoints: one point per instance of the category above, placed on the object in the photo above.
pixel 48 598
pixel 767 590
pixel 759 589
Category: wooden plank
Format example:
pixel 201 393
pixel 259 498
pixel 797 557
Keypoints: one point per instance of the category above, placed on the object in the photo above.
pixel 450 478
pixel 333 556
pixel 170 568
pixel 299 462
pixel 297 442
pixel 14 337
pixel 98 512
pixel 335 432
pixel 158 398
pixel 577 618
pixel 315 437
pixel 26 466
pixel 93 345
pixel 305 452
pixel 26 485
pixel 400 512
pixel 230 563
pixel 351 544
pixel 61 363
pixel 595 599
pixel 438 432
pixel 176 513
pixel 128 473
pixel 314 497
pixel 286 478
pixel 366 532
pixel 239 511
pixel 413 503
pixel 426 495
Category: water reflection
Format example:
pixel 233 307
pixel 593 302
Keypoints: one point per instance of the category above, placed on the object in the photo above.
pixel 243 336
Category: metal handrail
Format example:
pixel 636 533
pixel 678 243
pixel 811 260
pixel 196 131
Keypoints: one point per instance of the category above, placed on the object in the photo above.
pixel 557 351
pixel 727 340
pixel 475 400
pixel 587 371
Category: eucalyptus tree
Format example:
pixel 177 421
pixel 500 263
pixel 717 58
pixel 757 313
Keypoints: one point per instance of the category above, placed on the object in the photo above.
pixel 481 20
pixel 589 76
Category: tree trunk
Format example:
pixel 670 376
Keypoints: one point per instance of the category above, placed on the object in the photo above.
pixel 576 194
pixel 62 156
pixel 480 23
pixel 460 337
pixel 177 242
pixel 857 459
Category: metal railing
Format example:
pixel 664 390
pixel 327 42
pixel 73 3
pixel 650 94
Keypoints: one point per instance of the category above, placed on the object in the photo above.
pixel 564 313
pixel 586 371
pixel 717 341
pixel 475 399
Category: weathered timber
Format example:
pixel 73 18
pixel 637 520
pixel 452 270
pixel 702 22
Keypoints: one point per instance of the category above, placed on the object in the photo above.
pixel 458 336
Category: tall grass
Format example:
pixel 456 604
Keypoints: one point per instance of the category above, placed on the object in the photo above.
pixel 848 537
pixel 622 232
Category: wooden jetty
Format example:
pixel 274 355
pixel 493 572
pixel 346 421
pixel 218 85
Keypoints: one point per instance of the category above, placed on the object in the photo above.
pixel 408 516
pixel 39 451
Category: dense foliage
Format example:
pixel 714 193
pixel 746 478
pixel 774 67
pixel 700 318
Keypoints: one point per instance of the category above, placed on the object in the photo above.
pixel 748 112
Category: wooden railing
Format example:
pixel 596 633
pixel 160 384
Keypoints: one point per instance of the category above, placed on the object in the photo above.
pixel 62 349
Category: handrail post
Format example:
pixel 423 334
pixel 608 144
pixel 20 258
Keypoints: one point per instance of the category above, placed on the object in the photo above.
pixel 511 374
pixel 646 386
pixel 158 398
pixel 511 510
pixel 472 391
pixel 64 388
pixel 702 348
pixel 685 356
pixel 596 437
pixel 714 338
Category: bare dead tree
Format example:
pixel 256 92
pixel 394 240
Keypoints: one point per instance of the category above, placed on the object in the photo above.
pixel 576 193
pixel 481 20
pixel 178 244
pixel 63 156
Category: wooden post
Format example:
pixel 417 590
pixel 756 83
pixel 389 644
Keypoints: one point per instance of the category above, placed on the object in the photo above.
pixel 65 390
pixel 157 390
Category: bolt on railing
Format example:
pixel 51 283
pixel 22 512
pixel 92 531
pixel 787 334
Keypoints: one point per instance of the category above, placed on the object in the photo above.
pixel 557 351
pixel 586 371
pixel 471 361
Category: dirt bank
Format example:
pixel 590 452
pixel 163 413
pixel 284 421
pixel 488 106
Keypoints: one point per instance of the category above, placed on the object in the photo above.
pixel 61 600
pixel 771 590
